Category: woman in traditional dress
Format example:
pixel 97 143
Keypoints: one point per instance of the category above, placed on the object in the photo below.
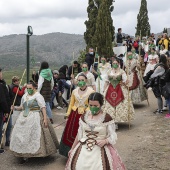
pixel 153 59
pixel 89 75
pixel 138 92
pixel 93 148
pixel 78 105
pixel 117 98
pixel 33 134
pixel 102 73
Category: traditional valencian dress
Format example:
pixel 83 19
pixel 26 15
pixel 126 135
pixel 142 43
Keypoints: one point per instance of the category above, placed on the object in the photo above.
pixel 117 102
pixel 103 69
pixel 152 61
pixel 78 105
pixel 138 92
pixel 87 155
pixel 29 137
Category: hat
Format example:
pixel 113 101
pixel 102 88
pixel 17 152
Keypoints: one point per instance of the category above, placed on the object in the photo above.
pixel 55 72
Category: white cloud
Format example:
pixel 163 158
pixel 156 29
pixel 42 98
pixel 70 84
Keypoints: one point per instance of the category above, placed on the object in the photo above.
pixel 68 16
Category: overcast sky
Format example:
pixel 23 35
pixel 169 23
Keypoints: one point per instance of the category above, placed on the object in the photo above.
pixel 68 16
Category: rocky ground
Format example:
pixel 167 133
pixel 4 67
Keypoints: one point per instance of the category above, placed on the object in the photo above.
pixel 145 146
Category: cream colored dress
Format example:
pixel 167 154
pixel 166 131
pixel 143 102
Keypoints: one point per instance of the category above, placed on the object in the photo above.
pixel 87 155
pixel 138 94
pixel 124 111
pixel 103 71
pixel 29 137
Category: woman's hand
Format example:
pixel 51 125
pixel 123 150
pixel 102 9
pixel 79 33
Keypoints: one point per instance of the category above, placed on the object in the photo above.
pixel 12 107
pixel 101 143
pixel 69 153
pixel 45 123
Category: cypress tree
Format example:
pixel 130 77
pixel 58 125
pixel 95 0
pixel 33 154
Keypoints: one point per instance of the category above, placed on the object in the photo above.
pixel 143 20
pixel 165 31
pixel 90 24
pixel 104 33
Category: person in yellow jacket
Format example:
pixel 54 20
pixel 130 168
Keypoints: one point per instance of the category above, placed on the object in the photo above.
pixel 78 105
pixel 164 41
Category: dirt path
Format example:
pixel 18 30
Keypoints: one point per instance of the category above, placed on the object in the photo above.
pixel 146 146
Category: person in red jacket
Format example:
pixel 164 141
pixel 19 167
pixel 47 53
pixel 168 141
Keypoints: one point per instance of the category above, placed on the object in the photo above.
pixel 14 87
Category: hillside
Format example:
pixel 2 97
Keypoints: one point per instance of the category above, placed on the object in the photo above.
pixel 56 48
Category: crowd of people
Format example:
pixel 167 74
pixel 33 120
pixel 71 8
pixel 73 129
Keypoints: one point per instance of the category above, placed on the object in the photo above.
pixel 97 98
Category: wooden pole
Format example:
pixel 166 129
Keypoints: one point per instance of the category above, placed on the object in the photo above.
pixel 127 66
pixel 11 111
pixel 72 72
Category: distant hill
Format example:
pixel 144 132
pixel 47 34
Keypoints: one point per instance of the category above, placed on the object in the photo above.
pixel 56 48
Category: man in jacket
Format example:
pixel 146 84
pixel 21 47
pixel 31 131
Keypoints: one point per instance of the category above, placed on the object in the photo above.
pixel 90 57
pixel 5 107
pixel 119 37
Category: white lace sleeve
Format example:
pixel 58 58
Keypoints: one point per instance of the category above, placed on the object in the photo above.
pixel 112 136
pixel 80 130
pixel 124 77
pixel 40 100
pixel 93 83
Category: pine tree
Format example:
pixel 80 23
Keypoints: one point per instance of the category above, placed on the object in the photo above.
pixel 143 25
pixel 104 33
pixel 90 24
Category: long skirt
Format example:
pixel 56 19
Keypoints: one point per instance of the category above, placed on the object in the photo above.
pixel 23 141
pixel 105 158
pixel 70 133
pixel 122 112
pixel 138 94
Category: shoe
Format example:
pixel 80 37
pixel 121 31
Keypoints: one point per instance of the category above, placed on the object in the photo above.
pixel 167 115
pixel 23 161
pixel 59 108
pixel 7 143
pixel 156 111
pixel 51 120
pixel 159 112
pixel 2 151
pixel 165 108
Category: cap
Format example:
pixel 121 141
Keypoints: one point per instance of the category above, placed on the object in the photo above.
pixel 55 72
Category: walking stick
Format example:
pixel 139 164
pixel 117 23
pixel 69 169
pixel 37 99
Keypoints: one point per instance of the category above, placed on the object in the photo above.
pixel 1 149
pixel 99 75
pixel 72 72
pixel 127 64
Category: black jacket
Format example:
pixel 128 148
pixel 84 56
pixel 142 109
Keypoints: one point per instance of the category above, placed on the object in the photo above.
pixel 7 93
pixel 119 38
pixel 89 59
pixel 3 102
pixel 167 76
